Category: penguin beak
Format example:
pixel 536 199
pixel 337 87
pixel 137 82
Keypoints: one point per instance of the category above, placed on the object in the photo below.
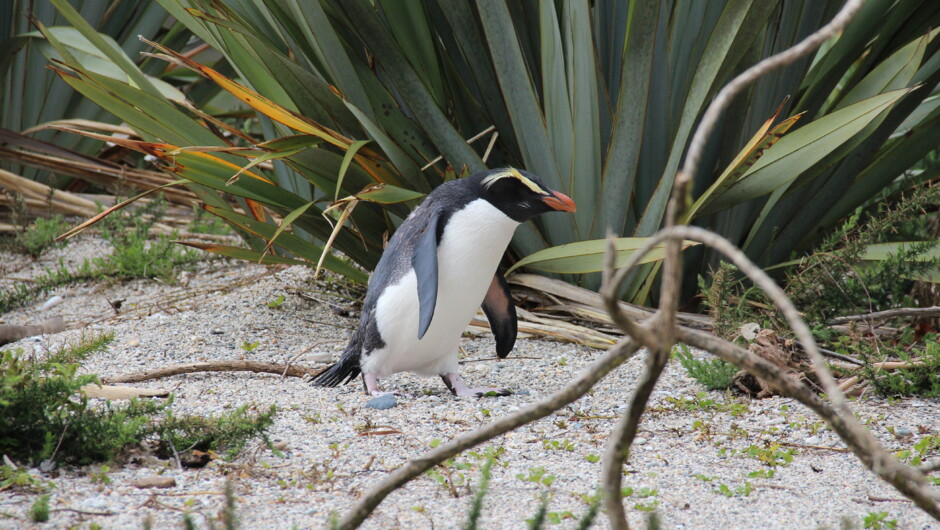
pixel 559 201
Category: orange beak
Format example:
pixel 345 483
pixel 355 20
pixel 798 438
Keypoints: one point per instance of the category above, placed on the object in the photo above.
pixel 560 201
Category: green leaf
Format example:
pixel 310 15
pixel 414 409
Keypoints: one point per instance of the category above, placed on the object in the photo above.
pixel 286 222
pixel 895 72
pixel 881 251
pixel 589 256
pixel 107 46
pixel 798 151
pixel 347 158
pixel 387 194
pixel 293 244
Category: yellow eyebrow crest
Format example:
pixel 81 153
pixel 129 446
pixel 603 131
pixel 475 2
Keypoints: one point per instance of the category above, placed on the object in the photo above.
pixel 513 173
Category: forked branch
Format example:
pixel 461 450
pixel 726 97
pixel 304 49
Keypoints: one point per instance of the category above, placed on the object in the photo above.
pixel 568 394
pixel 909 481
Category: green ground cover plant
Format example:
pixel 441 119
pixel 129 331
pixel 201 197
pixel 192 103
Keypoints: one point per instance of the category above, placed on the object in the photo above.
pixel 45 416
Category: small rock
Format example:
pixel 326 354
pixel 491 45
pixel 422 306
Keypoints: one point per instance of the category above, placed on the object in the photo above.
pixel 522 392
pixel 154 481
pixel 326 357
pixel 813 440
pixel 749 331
pixel 280 446
pixel 217 331
pixel 775 421
pixel 902 432
pixel 133 343
pixel 639 441
pixel 51 302
pixel 383 402
pixel 96 504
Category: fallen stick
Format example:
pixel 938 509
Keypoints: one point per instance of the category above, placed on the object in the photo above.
pixel 922 312
pixel 216 366
pixel 121 392
pixel 12 333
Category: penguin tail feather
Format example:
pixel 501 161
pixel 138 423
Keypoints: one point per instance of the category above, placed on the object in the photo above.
pixel 342 372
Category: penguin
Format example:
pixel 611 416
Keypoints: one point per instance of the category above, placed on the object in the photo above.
pixel 438 268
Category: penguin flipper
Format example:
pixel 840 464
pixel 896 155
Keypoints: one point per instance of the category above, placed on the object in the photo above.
pixel 424 262
pixel 501 313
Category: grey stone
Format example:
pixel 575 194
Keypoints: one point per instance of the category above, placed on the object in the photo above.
pixel 383 402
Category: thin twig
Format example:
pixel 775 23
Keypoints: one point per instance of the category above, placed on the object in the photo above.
pixel 476 137
pixel 930 467
pixel 877 316
pixel 664 324
pixel 621 439
pixel 290 361
pixel 762 280
pixel 841 357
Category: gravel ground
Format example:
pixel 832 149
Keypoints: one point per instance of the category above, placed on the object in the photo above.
pixel 336 449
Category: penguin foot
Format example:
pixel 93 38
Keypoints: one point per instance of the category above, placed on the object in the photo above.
pixel 371 382
pixel 459 388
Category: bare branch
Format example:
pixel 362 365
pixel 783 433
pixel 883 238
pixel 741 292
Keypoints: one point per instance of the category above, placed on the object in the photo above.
pixel 572 391
pixel 11 333
pixel 216 366
pixel 907 480
pixel 836 355
pixel 620 440
pixel 763 281
pixel 930 467
pixel 610 290
pixel 877 316
pixel 724 97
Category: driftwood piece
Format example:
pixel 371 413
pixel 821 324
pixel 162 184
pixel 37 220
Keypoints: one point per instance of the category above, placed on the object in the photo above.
pixel 12 333
pixel 878 316
pixel 154 482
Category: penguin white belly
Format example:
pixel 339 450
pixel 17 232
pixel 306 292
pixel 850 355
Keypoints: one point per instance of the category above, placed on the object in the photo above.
pixel 473 242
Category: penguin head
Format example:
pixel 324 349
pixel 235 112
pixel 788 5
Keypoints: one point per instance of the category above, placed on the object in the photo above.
pixel 521 195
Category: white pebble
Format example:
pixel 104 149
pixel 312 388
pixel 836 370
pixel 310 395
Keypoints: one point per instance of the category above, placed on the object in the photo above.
pixel 51 302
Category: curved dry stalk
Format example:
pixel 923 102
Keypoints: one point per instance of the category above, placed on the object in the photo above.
pixel 610 287
pixel 621 438
pixel 572 391
pixel 908 481
pixel 664 322
pixel 762 280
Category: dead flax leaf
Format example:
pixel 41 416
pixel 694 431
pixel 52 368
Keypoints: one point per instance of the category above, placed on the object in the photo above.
pixel 154 482
pixel 11 333
pixel 57 200
pixel 592 299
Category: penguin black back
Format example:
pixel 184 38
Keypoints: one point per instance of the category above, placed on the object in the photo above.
pixel 495 202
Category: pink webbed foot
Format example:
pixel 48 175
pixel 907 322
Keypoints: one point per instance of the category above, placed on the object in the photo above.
pixel 459 388
pixel 371 383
